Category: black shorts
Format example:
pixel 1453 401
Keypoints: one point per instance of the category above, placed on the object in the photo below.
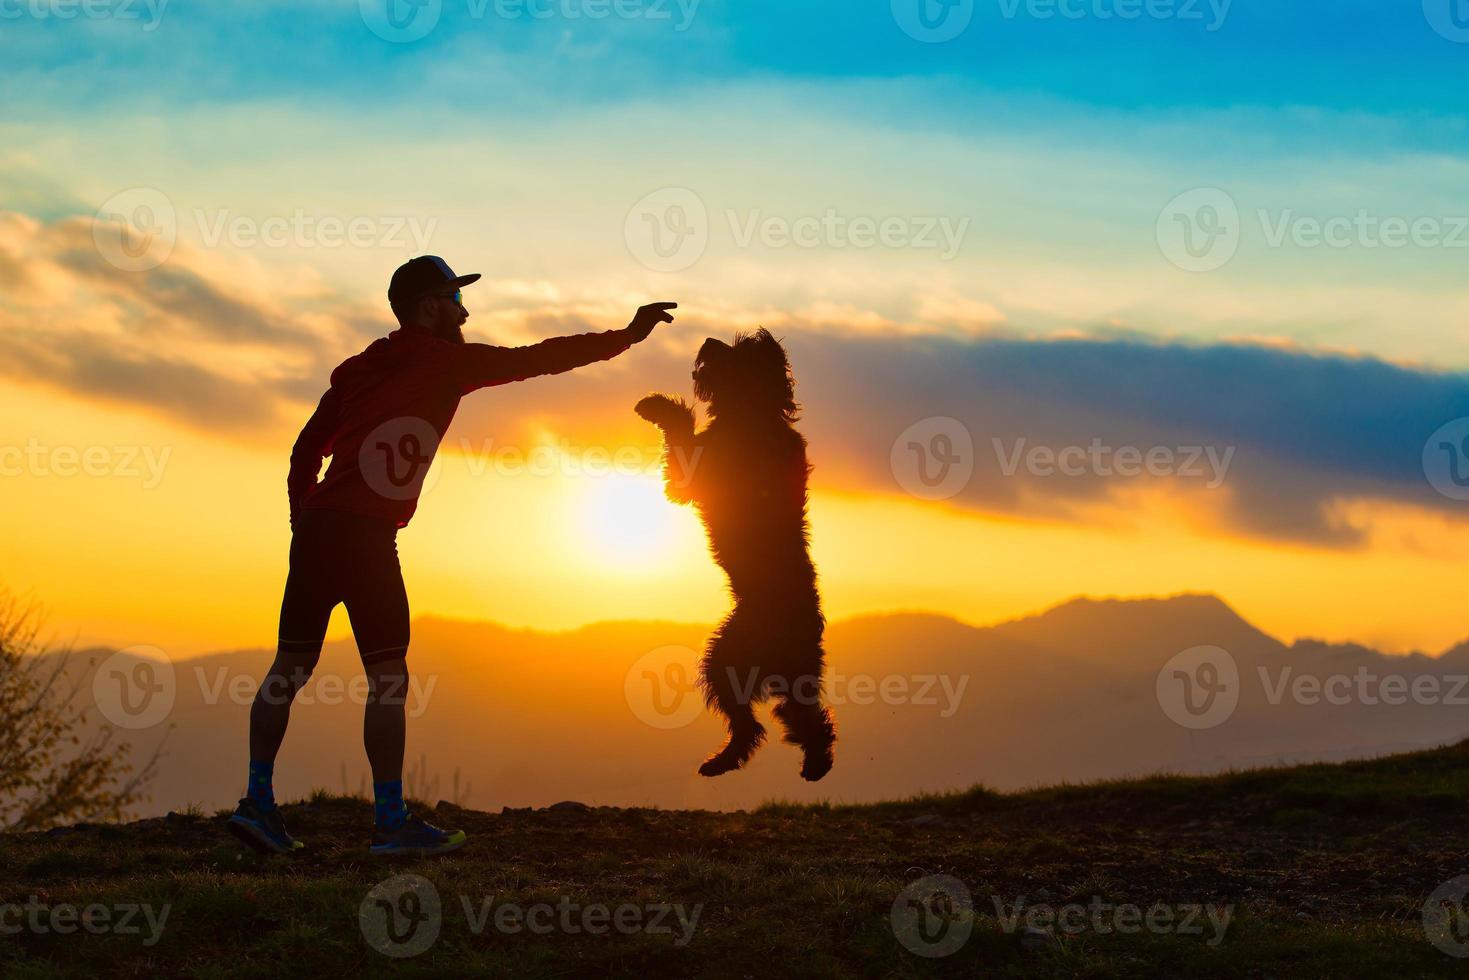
pixel 352 559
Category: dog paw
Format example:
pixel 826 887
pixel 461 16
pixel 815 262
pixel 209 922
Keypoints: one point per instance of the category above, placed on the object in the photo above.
pixel 661 410
pixel 813 767
pixel 718 765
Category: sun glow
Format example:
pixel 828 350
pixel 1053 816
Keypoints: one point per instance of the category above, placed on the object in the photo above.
pixel 629 521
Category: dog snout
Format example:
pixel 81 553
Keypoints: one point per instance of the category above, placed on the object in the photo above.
pixel 711 348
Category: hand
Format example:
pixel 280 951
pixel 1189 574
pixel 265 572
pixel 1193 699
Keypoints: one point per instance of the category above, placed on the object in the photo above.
pixel 649 316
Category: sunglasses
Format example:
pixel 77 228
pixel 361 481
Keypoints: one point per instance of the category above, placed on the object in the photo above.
pixel 457 296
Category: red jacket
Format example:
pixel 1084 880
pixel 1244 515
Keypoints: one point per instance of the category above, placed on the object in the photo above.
pixel 387 409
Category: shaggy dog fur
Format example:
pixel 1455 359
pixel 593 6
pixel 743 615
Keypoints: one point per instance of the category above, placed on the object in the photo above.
pixel 746 473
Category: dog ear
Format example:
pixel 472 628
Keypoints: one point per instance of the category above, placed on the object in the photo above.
pixel 775 355
pixel 767 345
pixel 778 376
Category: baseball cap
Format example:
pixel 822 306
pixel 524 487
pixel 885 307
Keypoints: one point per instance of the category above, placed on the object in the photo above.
pixel 423 275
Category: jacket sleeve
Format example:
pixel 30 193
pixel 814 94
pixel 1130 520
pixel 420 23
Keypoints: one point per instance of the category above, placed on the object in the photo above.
pixel 484 365
pixel 312 446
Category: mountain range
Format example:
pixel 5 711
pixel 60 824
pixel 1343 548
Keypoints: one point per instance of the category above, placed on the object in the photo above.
pixel 605 715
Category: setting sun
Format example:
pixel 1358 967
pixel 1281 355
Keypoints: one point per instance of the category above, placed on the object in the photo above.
pixel 629 521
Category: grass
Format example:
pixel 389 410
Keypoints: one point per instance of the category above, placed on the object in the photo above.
pixel 1323 871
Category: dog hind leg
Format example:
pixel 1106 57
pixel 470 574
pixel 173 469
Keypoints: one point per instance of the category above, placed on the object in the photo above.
pixel 725 694
pixel 809 725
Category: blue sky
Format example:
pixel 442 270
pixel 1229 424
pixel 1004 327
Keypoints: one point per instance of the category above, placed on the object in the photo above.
pixel 1061 140
pixel 1352 56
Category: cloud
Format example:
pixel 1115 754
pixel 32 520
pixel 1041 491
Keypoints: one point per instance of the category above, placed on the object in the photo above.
pixel 1306 430
pixel 184 391
pixel 180 340
pixel 171 293
pixel 1302 432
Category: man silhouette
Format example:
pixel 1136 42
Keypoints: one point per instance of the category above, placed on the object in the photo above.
pixel 381 422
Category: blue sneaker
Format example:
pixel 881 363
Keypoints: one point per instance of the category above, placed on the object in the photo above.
pixel 261 829
pixel 416 838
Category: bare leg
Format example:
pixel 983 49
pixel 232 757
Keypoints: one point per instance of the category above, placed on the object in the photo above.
pixel 306 609
pixel 270 712
pixel 384 723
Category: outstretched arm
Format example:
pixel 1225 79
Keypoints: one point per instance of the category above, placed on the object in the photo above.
pixel 312 446
pixel 484 365
pixel 680 456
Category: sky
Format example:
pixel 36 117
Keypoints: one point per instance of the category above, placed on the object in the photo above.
pixel 1109 297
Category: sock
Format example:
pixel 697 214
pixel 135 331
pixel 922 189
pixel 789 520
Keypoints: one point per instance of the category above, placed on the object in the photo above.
pixel 259 789
pixel 388 804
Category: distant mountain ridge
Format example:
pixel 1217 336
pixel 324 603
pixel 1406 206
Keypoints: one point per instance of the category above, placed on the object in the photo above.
pixel 1072 693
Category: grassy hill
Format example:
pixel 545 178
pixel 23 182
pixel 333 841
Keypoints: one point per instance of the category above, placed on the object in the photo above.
pixel 1314 871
